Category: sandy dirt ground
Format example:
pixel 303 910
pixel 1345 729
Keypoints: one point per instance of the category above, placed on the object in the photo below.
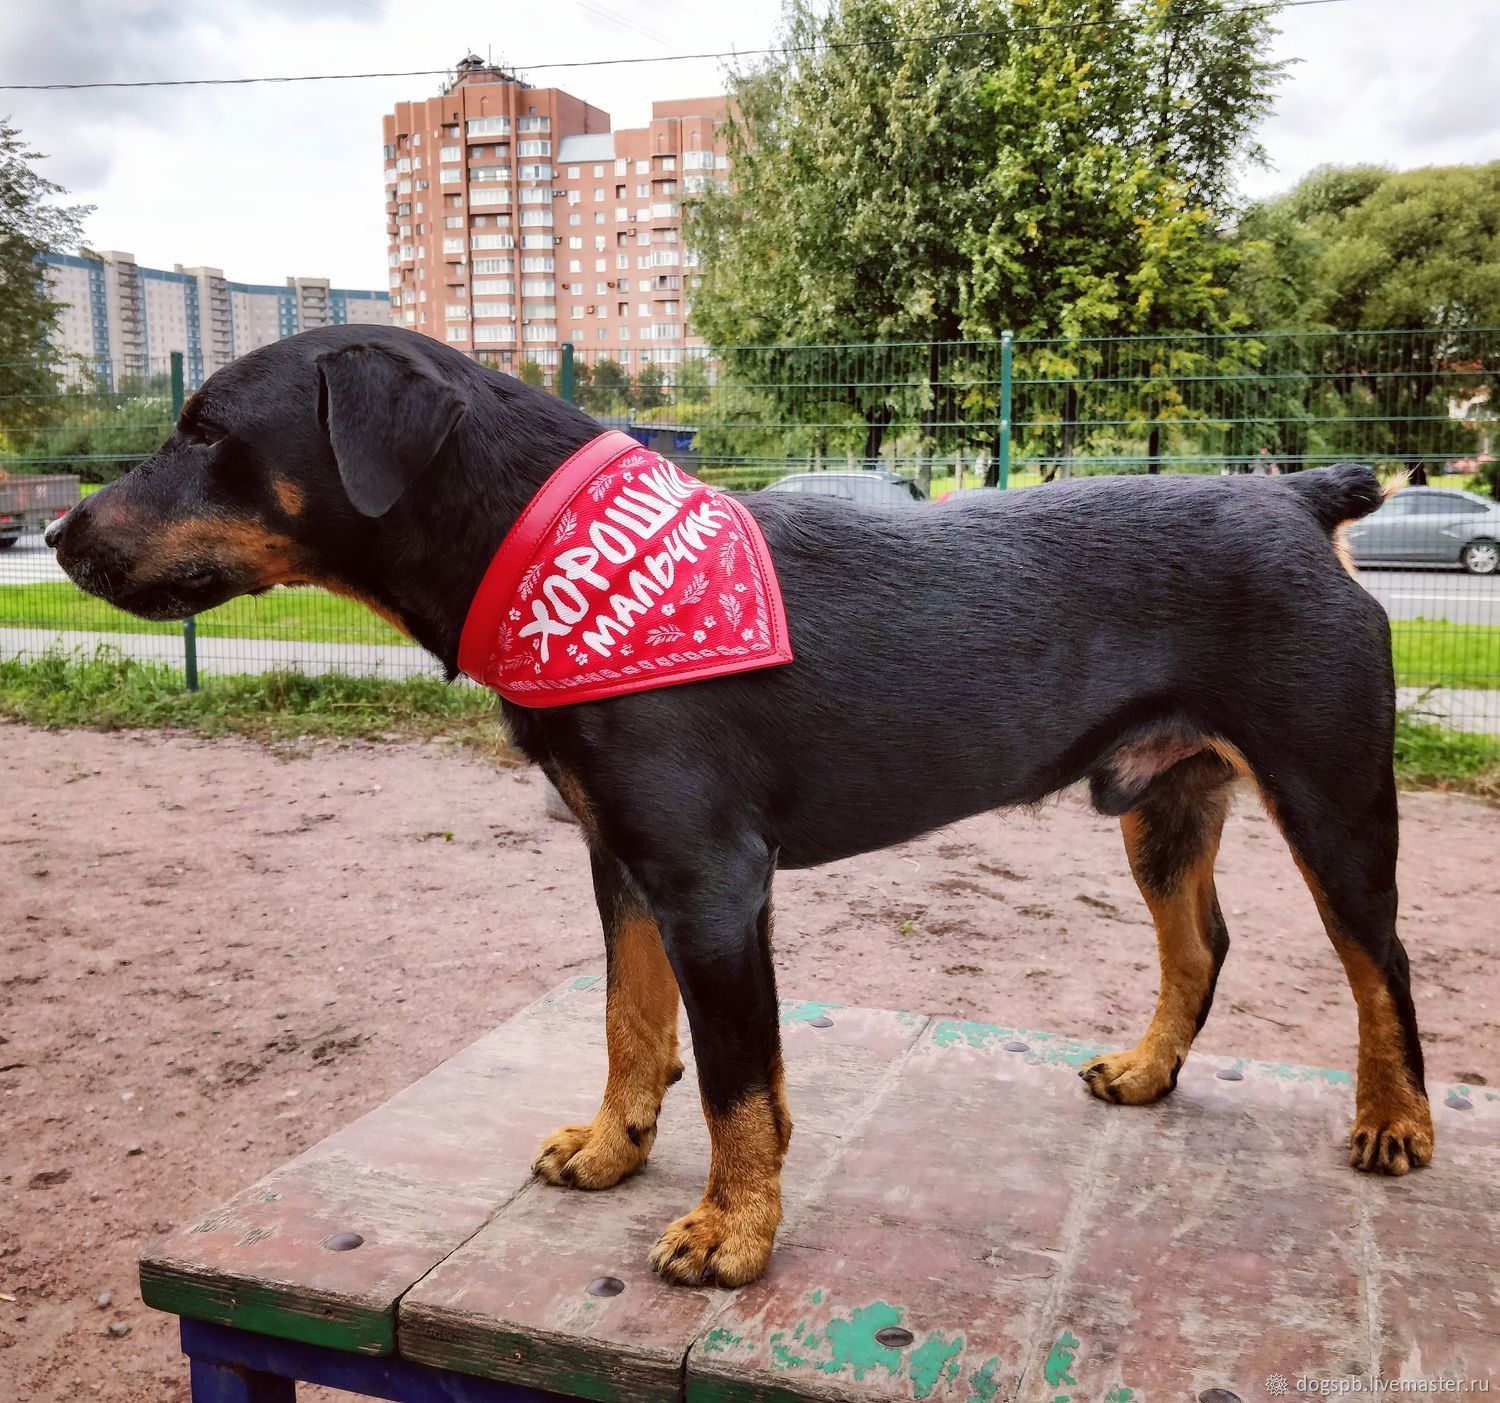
pixel 212 955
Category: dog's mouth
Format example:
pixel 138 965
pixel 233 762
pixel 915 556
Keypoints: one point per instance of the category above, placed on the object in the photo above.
pixel 191 589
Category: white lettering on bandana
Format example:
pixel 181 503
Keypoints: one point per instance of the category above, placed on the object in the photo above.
pixel 623 574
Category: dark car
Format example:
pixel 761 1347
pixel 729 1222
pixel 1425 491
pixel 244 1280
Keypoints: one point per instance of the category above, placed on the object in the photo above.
pixel 871 489
pixel 1430 526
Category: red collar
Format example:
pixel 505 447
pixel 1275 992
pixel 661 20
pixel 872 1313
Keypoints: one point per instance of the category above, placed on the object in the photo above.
pixel 623 574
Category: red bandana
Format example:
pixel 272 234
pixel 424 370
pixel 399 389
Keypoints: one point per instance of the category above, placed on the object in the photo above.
pixel 623 574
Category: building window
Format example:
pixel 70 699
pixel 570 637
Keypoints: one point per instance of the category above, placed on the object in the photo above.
pixel 538 287
pixel 494 333
pixel 483 173
pixel 494 265
pixel 453 245
pixel 572 172
pixel 458 333
pixel 536 196
pixel 450 176
pixel 534 124
pixel 535 172
pixel 489 126
pixel 453 221
pixel 575 265
pixel 493 241
pixel 491 195
pixel 537 241
pixel 533 148
pixel 494 287
pixel 538 333
pixel 536 264
pixel 456 311
pixel 577 313
pixel 452 133
pixel 505 310
pixel 450 153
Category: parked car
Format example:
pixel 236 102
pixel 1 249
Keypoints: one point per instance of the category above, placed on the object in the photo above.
pixel 32 502
pixel 873 489
pixel 1430 526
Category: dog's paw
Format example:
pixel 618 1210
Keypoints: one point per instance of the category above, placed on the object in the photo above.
pixel 592 1156
pixel 1131 1078
pixel 1383 1144
pixel 710 1247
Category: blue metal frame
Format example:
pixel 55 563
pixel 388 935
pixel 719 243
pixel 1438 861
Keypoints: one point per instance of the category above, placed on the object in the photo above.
pixel 238 1366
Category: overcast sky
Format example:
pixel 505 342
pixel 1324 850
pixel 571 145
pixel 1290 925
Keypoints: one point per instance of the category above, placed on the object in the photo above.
pixel 269 180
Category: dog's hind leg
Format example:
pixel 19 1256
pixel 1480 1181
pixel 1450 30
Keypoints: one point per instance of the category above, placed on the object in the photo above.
pixel 1338 814
pixel 640 1023
pixel 716 922
pixel 1172 837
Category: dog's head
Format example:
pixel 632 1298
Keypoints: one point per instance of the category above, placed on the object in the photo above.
pixel 280 470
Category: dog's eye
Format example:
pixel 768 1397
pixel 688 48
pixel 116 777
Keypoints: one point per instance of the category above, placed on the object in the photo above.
pixel 205 433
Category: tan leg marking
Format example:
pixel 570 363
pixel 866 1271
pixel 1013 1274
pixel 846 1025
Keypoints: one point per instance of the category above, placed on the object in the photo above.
pixel 640 1024
pixel 1392 1131
pixel 727 1239
pixel 1148 1071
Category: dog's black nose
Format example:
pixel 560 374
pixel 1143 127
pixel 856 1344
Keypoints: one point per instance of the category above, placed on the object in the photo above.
pixel 52 534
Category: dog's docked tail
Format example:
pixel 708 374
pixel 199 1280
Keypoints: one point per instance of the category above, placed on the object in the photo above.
pixel 1345 492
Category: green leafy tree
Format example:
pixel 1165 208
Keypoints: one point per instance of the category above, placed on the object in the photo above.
pixel 649 392
pixel 1366 251
pixel 530 373
pixel 608 390
pixel 1063 170
pixel 31 223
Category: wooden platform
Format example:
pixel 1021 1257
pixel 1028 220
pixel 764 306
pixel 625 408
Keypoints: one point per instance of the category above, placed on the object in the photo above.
pixel 947 1179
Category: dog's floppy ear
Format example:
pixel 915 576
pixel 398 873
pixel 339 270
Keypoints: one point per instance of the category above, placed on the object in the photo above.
pixel 387 416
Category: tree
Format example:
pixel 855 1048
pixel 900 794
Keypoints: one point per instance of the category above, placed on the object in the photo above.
pixel 31 224
pixel 609 389
pixel 648 388
pixel 1366 251
pixel 1063 169
pixel 531 373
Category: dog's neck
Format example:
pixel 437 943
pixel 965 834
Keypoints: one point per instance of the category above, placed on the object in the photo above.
pixel 435 549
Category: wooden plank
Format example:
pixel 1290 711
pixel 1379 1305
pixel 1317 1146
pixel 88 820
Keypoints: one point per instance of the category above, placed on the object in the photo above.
pixel 414 1178
pixel 512 1302
pixel 1041 1245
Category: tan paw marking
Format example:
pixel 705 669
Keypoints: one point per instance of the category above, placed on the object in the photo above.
pixel 1391 1144
pixel 591 1156
pixel 709 1247
pixel 1130 1078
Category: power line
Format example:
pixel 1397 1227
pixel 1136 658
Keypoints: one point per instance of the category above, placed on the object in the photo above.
pixel 951 37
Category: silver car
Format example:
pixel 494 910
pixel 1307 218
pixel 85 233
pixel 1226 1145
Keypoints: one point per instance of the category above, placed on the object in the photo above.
pixel 1430 526
pixel 876 488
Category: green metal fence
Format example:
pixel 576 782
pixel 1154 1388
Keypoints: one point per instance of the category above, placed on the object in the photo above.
pixel 1010 413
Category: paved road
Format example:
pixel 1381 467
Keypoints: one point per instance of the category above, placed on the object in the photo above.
pixel 1434 594
pixel 28 562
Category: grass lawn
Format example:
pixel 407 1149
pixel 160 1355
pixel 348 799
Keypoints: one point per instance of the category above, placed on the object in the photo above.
pixel 109 692
pixel 1437 653
pixel 298 615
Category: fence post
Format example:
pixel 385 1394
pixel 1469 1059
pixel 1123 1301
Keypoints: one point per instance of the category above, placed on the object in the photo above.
pixel 569 374
pixel 189 624
pixel 1003 447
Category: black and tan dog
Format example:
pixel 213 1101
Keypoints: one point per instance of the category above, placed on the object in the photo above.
pixel 1160 637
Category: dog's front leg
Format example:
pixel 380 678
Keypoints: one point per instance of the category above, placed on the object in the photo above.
pixel 716 924
pixel 640 1022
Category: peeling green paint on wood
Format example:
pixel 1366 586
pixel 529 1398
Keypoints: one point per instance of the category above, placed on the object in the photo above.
pixel 983 1384
pixel 1060 1360
pixel 935 1359
pixel 806 1011
pixel 720 1341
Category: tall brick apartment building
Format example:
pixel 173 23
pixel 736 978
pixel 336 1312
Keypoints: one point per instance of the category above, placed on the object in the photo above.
pixel 518 220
